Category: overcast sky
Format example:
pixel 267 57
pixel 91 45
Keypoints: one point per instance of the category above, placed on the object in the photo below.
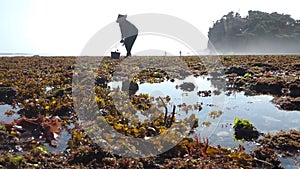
pixel 63 27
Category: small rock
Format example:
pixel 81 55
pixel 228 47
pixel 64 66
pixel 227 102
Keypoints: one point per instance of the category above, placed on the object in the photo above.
pixel 240 71
pixel 295 89
pixel 53 143
pixel 187 86
pixel 7 94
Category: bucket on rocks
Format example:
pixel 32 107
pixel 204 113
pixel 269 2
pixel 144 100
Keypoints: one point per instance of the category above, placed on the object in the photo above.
pixel 115 55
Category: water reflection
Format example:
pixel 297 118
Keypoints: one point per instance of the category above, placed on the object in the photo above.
pixel 258 109
pixel 4 108
pixel 62 139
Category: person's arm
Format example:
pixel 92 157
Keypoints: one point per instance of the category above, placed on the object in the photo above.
pixel 122 40
pixel 122 34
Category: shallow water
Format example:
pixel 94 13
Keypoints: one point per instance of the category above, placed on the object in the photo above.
pixel 61 140
pixel 264 115
pixel 4 117
pixel 259 109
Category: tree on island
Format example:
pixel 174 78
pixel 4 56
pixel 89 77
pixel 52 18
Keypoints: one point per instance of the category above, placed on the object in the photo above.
pixel 259 32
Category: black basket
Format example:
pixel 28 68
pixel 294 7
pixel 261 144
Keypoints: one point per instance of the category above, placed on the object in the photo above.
pixel 115 55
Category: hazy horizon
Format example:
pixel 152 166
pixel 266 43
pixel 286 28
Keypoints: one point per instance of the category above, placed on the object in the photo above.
pixel 64 27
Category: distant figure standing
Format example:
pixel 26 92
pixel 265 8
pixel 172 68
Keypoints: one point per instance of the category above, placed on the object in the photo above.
pixel 129 33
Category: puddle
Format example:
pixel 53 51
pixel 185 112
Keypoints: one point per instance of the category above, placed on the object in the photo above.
pixel 259 109
pixel 261 112
pixel 48 88
pixel 61 141
pixel 4 117
pixel 291 163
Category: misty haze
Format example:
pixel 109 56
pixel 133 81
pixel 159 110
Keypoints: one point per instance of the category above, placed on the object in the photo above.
pixel 257 33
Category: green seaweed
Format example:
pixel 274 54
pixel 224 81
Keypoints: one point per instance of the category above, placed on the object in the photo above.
pixel 247 75
pixel 16 159
pixel 244 130
pixel 240 122
pixel 42 149
pixel 2 127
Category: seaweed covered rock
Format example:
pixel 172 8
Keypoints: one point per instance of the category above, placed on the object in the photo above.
pixel 56 93
pixel 267 158
pixel 265 66
pixel 7 94
pixel 295 89
pixel 287 103
pixel 240 71
pixel 284 142
pixel 88 155
pixel 268 87
pixel 101 81
pixel 244 130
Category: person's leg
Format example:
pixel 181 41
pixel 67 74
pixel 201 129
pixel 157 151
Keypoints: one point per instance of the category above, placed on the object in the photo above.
pixel 129 43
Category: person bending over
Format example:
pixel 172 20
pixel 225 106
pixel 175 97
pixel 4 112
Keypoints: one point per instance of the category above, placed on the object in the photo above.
pixel 129 33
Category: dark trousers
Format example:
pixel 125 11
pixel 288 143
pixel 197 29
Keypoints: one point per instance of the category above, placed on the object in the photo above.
pixel 129 43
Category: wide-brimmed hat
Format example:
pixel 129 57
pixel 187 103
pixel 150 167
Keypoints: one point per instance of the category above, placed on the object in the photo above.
pixel 121 16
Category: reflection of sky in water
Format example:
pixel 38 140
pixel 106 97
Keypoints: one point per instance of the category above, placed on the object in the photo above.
pixel 177 96
pixel 62 139
pixel 62 142
pixel 258 109
pixel 48 88
pixel 4 117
